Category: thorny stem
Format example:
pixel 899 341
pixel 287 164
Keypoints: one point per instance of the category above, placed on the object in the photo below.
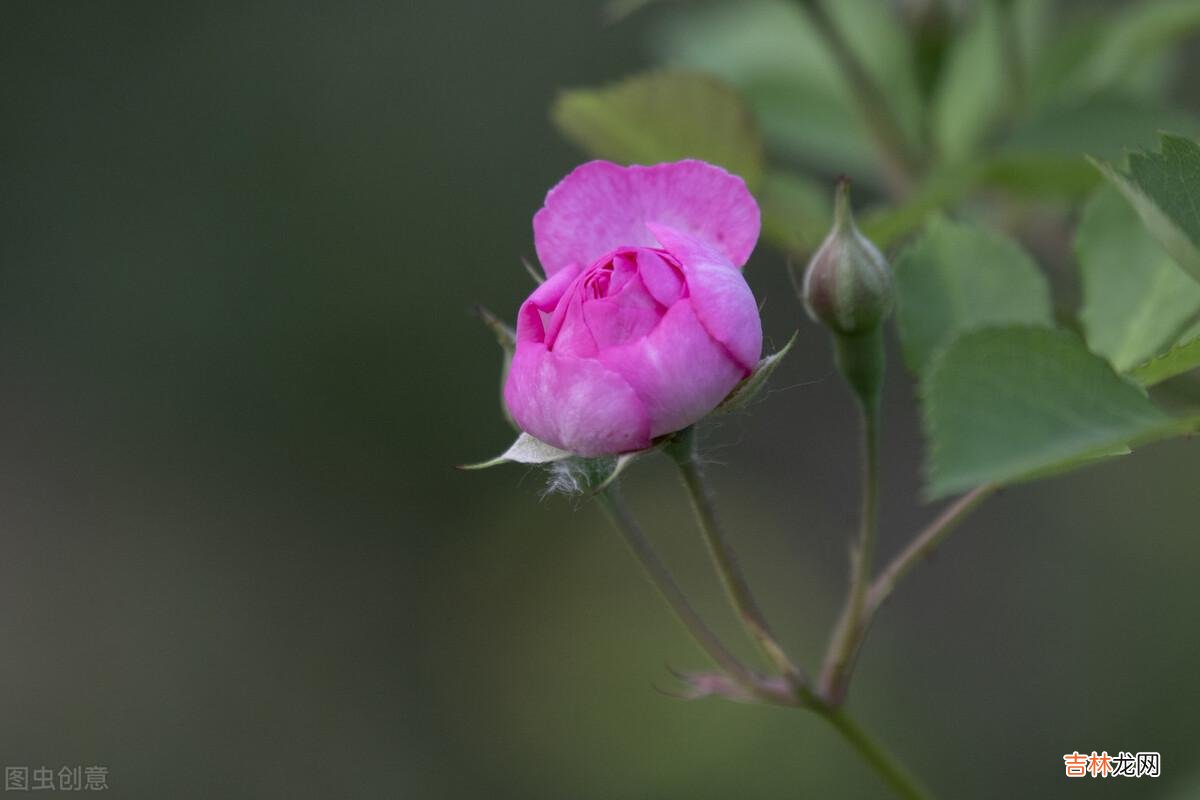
pixel 623 520
pixel 924 543
pixel 683 452
pixel 852 626
pixel 900 163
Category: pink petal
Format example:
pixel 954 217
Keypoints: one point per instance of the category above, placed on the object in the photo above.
pixel 718 292
pixel 630 315
pixel 530 324
pixel 576 404
pixel 625 268
pixel 601 206
pixel 568 333
pixel 663 280
pixel 678 370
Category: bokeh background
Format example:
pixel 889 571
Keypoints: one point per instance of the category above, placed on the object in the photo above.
pixel 240 243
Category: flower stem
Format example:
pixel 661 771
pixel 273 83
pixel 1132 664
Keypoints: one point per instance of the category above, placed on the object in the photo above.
pixel 900 164
pixel 924 543
pixel 1011 52
pixel 897 778
pixel 852 626
pixel 683 452
pixel 613 503
pixel 798 692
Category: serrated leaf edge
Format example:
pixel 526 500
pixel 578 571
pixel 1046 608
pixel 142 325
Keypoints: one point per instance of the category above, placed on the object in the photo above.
pixel 1145 205
pixel 1174 426
pixel 1141 369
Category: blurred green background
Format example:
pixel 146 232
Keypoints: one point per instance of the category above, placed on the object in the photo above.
pixel 240 246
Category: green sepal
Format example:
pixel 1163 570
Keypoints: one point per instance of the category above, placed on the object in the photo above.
pixel 753 383
pixel 570 473
pixel 525 450
pixel 533 272
pixel 507 339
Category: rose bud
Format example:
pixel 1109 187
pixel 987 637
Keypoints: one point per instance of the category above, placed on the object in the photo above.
pixel 848 285
pixel 848 288
pixel 645 322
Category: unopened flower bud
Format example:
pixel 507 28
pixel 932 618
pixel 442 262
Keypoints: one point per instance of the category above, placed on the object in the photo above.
pixel 848 285
pixel 641 329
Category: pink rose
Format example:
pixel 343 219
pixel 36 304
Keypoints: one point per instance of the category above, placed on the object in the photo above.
pixel 645 322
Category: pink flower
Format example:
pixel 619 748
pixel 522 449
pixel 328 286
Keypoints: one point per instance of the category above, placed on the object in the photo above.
pixel 645 322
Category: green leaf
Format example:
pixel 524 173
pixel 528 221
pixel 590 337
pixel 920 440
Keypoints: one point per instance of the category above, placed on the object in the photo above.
pixel 1100 50
pixel 769 50
pixel 1041 158
pixel 1044 155
pixel 971 94
pixel 1136 301
pixel 1181 358
pixel 664 116
pixel 884 46
pixel 525 450
pixel 1104 126
pixel 1055 71
pixel 1006 404
pixel 957 278
pixel 1139 32
pixel 1164 187
pixel 941 188
pixel 753 383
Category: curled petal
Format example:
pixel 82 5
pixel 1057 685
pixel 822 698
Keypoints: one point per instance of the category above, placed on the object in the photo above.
pixel 576 404
pixel 663 281
pixel 544 299
pixel 616 320
pixel 568 333
pixel 719 294
pixel 601 206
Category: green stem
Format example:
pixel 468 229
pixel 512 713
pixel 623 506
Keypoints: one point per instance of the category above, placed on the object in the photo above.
pixel 897 778
pixel 683 452
pixel 852 626
pixel 623 520
pixel 890 771
pixel 924 543
pixel 900 164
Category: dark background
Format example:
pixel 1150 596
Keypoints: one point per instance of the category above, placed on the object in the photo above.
pixel 239 246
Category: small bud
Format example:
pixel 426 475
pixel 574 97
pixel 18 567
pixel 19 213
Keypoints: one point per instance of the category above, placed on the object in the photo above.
pixel 848 285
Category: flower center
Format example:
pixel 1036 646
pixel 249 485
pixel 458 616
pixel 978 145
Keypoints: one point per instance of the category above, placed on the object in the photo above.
pixel 620 298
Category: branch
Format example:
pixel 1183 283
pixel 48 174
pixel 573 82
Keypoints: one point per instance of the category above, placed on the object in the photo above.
pixel 683 452
pixel 900 163
pixel 924 543
pixel 852 626
pixel 623 520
